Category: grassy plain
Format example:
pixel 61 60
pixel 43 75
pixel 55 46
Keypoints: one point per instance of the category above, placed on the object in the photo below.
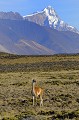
pixel 58 75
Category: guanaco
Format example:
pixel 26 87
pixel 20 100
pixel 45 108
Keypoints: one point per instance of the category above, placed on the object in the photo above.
pixel 37 91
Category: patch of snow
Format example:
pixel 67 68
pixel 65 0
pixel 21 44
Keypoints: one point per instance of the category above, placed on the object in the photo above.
pixel 32 14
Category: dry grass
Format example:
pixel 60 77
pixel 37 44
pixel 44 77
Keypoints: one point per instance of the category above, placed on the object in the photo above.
pixel 61 95
pixel 59 81
pixel 17 59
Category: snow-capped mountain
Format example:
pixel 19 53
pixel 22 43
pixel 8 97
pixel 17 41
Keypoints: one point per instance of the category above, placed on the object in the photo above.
pixel 43 33
pixel 48 17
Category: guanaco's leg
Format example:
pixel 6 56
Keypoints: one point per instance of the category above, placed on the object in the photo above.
pixel 33 100
pixel 41 102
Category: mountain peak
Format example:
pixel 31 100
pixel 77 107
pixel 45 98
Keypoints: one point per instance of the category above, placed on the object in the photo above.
pixel 48 17
pixel 52 17
pixel 49 7
pixel 49 10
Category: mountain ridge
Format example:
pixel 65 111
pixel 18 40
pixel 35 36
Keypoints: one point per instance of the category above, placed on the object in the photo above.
pixel 10 15
pixel 47 17
pixel 24 37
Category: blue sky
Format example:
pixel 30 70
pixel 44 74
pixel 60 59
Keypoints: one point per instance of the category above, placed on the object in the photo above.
pixel 68 10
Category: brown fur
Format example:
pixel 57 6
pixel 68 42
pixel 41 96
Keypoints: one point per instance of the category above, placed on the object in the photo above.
pixel 37 91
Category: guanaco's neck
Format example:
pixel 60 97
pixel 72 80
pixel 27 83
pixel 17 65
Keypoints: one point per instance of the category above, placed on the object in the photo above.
pixel 33 86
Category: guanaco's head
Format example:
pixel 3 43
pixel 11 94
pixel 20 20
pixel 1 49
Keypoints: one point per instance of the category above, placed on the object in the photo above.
pixel 33 81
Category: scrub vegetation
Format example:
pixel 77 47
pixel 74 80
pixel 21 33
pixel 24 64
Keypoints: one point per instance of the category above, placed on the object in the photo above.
pixel 58 75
